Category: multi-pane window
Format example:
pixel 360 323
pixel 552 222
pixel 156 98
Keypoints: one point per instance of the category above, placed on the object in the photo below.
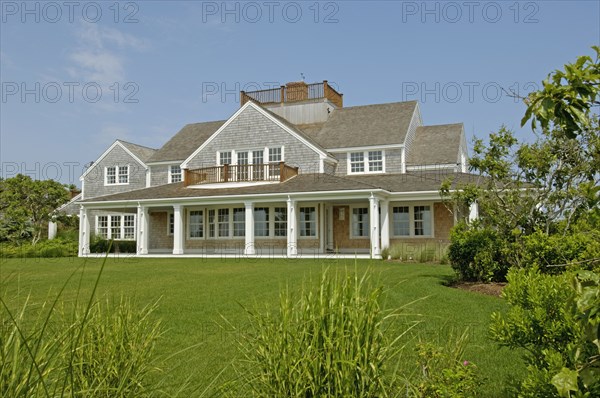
pixel 239 222
pixel 224 158
pixel 366 162
pixel 117 175
pixel 111 175
pixel 280 224
pixel 360 222
pixel 175 174
pixel 102 227
pixel 261 221
pixel 401 220
pixel 129 227
pixel 412 221
pixel 171 223
pixel 375 161
pixel 116 226
pixel 223 222
pixel 308 221
pixel 422 220
pixel 257 161
pixel 211 223
pixel 123 174
pixel 357 162
pixel 275 155
pixel 196 225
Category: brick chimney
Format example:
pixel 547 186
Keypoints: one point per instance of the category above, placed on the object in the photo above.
pixel 296 91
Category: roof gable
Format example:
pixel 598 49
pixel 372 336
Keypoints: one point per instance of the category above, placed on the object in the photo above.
pixel 286 126
pixel 127 147
pixel 439 144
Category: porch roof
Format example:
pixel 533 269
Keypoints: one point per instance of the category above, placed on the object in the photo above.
pixel 303 183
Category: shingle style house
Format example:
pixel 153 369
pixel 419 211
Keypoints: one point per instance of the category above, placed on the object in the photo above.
pixel 292 172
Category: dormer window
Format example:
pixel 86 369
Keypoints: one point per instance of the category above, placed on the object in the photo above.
pixel 174 174
pixel 116 175
pixel 366 162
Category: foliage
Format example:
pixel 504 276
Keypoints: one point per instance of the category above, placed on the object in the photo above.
pixel 536 195
pixel 58 247
pixel 554 319
pixel 567 97
pixel 101 245
pixel 86 349
pixel 328 342
pixel 422 253
pixel 443 371
pixel 478 253
pixel 27 205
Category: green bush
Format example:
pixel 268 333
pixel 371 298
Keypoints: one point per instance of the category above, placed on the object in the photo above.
pixel 101 245
pixel 554 319
pixel 444 373
pixel 478 253
pixel 327 342
pixel 47 248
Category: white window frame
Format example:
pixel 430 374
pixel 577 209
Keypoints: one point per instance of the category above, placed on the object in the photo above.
pixel 272 222
pixel 351 222
pixel 411 211
pixel 117 174
pixel 316 222
pixel 366 162
pixel 268 229
pixel 265 155
pixel 233 223
pixel 189 224
pixel 121 218
pixel 170 215
pixel 171 174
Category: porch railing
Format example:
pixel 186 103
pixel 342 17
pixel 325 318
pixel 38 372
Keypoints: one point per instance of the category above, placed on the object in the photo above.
pixel 240 173
pixel 294 92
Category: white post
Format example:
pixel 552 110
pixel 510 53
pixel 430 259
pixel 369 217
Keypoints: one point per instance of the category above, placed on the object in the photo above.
pixel 178 229
pixel 473 212
pixel 249 248
pixel 143 229
pixel 385 224
pixel 292 227
pixel 374 224
pixel 52 229
pixel 84 232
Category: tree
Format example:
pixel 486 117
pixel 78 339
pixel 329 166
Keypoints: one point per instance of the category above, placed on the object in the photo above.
pixel 26 206
pixel 566 100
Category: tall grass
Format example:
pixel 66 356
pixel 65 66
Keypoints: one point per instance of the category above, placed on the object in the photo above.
pixel 89 349
pixel 328 342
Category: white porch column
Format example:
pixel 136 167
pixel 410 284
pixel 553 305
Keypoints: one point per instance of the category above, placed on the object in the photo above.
pixel 292 228
pixel 249 247
pixel 374 224
pixel 143 226
pixel 52 230
pixel 178 229
pixel 385 224
pixel 84 232
pixel 473 212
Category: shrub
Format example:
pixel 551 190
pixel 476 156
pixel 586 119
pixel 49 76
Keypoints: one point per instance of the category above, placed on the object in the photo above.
pixel 327 342
pixel 101 245
pixel 477 253
pixel 554 318
pixel 47 248
pixel 443 370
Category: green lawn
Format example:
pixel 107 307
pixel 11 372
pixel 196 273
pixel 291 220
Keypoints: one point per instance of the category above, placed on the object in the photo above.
pixel 196 293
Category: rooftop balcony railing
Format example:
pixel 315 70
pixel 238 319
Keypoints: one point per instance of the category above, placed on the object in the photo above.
pixel 294 92
pixel 276 172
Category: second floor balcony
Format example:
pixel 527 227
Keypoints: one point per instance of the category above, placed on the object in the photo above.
pixel 271 172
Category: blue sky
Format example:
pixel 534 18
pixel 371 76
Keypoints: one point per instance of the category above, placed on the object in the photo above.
pixel 78 75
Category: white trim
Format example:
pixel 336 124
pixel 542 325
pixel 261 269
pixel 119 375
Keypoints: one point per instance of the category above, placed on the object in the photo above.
pixel 365 148
pixel 117 142
pixel 439 166
pixel 116 167
pixel 148 177
pixel 188 217
pixel 299 221
pixel 185 163
pixel 121 216
pixel 170 173
pixel 161 163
